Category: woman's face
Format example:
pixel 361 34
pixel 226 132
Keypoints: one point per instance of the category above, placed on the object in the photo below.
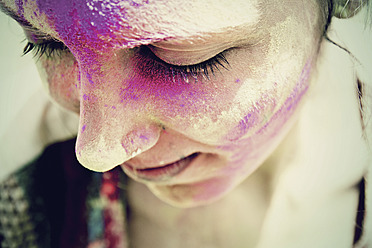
pixel 188 97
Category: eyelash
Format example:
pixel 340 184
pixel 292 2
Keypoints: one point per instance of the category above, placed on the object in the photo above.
pixel 185 72
pixel 48 48
pixel 204 69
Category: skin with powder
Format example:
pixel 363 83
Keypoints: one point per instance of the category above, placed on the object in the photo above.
pixel 144 113
pixel 208 89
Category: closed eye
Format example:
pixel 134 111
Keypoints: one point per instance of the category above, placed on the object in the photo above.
pixel 206 69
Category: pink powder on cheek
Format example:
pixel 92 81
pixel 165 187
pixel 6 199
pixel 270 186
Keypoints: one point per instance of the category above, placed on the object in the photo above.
pixel 163 97
pixel 254 118
pixel 83 128
pixel 248 153
pixel 171 96
pixel 278 119
pixel 291 103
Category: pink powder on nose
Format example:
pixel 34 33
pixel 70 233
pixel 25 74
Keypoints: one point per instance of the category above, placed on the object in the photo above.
pixel 83 128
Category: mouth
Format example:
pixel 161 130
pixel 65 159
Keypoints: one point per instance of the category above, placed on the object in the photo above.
pixel 161 173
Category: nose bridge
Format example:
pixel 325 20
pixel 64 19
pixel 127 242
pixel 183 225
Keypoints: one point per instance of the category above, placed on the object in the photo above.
pixel 110 132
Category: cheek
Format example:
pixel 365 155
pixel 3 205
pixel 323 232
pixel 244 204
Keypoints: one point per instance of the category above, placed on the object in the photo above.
pixel 203 110
pixel 233 104
pixel 60 76
pixel 274 105
pixel 251 144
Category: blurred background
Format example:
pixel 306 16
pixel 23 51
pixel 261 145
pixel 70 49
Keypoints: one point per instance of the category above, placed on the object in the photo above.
pixel 19 77
pixel 28 119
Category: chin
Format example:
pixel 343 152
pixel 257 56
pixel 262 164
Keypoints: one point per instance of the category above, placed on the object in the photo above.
pixel 193 194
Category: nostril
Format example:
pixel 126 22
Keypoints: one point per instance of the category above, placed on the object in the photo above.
pixel 140 139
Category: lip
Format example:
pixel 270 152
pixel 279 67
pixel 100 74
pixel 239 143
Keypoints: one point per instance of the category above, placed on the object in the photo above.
pixel 162 173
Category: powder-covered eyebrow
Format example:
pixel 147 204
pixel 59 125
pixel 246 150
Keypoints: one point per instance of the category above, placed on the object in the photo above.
pixel 119 24
pixel 16 17
pixel 26 25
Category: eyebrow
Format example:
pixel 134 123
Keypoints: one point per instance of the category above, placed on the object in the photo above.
pixel 190 38
pixel 9 12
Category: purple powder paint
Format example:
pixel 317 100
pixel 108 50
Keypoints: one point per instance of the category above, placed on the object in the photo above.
pixel 280 117
pixel 252 119
pixel 89 27
pixel 98 23
pixel 144 137
pixel 21 10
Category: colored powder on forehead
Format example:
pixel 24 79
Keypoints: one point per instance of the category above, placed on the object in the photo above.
pixel 72 20
pixel 19 4
pixel 121 24
pixel 94 22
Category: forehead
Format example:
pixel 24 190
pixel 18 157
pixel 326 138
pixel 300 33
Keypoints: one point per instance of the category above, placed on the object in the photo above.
pixel 130 23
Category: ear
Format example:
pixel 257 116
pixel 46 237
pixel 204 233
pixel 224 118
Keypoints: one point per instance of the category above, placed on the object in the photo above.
pixel 347 8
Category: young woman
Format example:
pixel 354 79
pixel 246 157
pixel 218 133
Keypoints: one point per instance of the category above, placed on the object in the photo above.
pixel 248 124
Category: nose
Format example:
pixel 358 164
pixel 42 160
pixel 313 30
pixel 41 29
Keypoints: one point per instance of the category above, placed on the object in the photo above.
pixel 111 130
pixel 102 145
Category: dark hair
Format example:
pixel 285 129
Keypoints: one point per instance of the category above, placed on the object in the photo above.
pixel 332 9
